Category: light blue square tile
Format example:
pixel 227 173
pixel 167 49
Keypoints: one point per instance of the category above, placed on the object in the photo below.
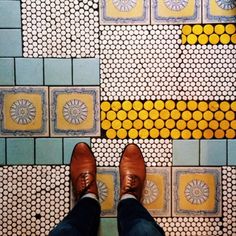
pixel 20 151
pixel 2 151
pixel 86 71
pixel 213 152
pixel 7 71
pixel 58 72
pixel 232 152
pixel 108 223
pixel 10 14
pixel 10 43
pixel 185 152
pixel 69 144
pixel 29 71
pixel 49 151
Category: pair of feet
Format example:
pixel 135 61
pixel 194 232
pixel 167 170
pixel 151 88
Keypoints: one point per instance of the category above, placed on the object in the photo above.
pixel 83 171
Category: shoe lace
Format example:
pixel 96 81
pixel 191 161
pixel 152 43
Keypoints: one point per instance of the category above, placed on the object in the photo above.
pixel 85 181
pixel 132 182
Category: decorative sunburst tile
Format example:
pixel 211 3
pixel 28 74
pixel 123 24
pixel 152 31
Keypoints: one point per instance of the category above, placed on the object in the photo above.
pixel 124 12
pixel 176 12
pixel 75 111
pixel 219 11
pixel 197 191
pixel 23 111
pixel 156 194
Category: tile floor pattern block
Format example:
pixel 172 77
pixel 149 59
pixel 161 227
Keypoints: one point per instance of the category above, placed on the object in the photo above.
pixel 33 198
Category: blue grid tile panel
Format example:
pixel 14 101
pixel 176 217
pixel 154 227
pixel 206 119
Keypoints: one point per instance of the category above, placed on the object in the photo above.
pixel 7 71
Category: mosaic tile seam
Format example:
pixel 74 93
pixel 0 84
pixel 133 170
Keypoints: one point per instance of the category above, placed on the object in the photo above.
pixel 39 197
pixel 168 119
pixel 49 71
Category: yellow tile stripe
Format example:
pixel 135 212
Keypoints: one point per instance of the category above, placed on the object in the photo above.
pixel 209 34
pixel 168 119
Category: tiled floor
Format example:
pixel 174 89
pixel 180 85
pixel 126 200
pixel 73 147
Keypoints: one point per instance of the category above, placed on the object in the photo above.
pixel 160 74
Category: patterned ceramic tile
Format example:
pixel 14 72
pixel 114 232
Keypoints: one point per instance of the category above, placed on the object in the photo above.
pixel 196 191
pixel 156 195
pixel 176 12
pixel 75 111
pixel 219 11
pixel 124 12
pixel 23 111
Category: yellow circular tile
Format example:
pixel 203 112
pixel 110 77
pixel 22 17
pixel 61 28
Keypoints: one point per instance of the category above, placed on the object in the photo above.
pixel 143 115
pixel 224 38
pixel 184 39
pixel 230 134
pixel 159 123
pixel 164 114
pixel 233 106
pixel 181 105
pixel 214 124
pixel 181 124
pixel 197 134
pixel 132 115
pixel 175 114
pixel 192 124
pixel 170 124
pixel 105 106
pixel 133 133
pixel 116 106
pixel 219 134
pixel 175 134
pixel 148 124
pixel 186 115
pixel 233 124
pixel 143 133
pixel 208 134
pixel 169 105
pixel 154 114
pixel 122 133
pixel 208 115
pixel 224 124
pixel 111 115
pixel 197 29
pixel 230 29
pixel 202 106
pixel 103 115
pixel 137 105
pixel 192 39
pixel 127 124
pixel 186 134
pixel 138 124
pixel 230 115
pixel 159 105
pixel 214 106
pixel 203 39
pixel 154 133
pixel 187 29
pixel 165 133
pixel 208 29
pixel 111 133
pixel 233 38
pixel 197 115
pixel 214 39
pixel 219 115
pixel 224 106
pixel 202 124
pixel 192 105
pixel 121 115
pixel 219 29
pixel 106 124
pixel 148 105
pixel 127 105
pixel 116 124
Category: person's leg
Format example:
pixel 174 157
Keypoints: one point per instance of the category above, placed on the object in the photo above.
pixel 135 220
pixel 82 220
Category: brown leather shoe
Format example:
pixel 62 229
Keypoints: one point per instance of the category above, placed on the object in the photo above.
pixel 132 171
pixel 83 170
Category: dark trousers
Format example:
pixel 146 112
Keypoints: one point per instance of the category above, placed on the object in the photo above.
pixel 83 220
